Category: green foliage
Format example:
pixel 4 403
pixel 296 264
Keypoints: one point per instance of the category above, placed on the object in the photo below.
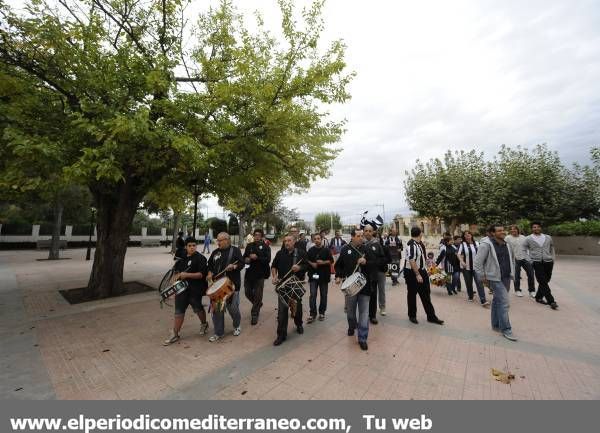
pixel 517 184
pixel 89 94
pixel 578 228
pixel 325 220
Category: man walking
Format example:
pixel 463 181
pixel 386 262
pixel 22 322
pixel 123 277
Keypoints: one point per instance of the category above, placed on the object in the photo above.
pixel 494 263
pixel 257 256
pixel 541 251
pixel 517 242
pixel 417 279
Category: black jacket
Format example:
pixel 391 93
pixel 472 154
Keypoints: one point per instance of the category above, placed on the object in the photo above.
pixel 284 260
pixel 259 268
pixel 219 259
pixel 376 259
pixel 324 271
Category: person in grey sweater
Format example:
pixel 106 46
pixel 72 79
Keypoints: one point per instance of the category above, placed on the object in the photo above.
pixel 517 242
pixel 494 263
pixel 541 252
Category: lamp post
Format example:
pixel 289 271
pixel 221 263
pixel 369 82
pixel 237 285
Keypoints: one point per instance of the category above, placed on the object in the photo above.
pixel 196 193
pixel 88 254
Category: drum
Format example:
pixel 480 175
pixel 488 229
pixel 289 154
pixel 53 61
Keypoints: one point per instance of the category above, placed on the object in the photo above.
pixel 353 284
pixel 220 289
pixel 291 290
pixel 174 289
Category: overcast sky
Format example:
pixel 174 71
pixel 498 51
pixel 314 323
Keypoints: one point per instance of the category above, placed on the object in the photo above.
pixel 439 75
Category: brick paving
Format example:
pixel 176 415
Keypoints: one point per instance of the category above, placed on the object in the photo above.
pixel 112 349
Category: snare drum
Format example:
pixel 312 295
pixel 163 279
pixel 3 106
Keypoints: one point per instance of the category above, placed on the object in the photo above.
pixel 353 284
pixel 174 289
pixel 291 290
pixel 220 289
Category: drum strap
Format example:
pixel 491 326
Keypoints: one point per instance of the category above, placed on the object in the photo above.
pixel 229 256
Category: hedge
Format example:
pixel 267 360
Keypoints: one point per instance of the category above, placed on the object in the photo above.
pixel 579 228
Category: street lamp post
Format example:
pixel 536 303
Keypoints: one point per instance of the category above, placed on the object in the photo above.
pixel 196 193
pixel 88 254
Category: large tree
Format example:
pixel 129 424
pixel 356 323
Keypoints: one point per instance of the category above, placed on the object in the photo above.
pixel 450 188
pixel 112 68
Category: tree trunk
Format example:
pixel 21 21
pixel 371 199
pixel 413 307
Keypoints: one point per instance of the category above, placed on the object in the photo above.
pixel 176 221
pixel 115 213
pixel 242 231
pixel 453 225
pixel 54 253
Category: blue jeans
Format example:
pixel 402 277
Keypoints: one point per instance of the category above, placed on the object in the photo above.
pixel 233 307
pixel 500 305
pixel 362 302
pixel 469 277
pixel 455 282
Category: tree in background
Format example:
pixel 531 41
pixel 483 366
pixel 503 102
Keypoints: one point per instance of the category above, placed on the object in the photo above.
pixel 451 188
pixel 109 71
pixel 327 221
pixel 518 184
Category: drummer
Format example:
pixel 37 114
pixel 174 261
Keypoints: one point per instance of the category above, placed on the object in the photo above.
pixel 191 268
pixel 226 260
pixel 287 262
pixel 350 256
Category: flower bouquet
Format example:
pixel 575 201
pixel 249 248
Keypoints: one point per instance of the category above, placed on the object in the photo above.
pixel 437 276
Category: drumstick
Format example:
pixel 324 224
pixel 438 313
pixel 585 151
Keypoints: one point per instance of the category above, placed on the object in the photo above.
pixel 285 277
pixel 216 277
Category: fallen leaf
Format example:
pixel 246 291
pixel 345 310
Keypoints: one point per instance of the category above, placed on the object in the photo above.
pixel 19 389
pixel 106 350
pixel 503 377
pixel 244 392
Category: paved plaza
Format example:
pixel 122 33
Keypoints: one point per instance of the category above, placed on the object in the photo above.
pixel 112 349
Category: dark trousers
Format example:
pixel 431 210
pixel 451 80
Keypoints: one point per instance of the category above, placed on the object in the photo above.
pixel 424 291
pixel 469 276
pixel 528 270
pixel 543 274
pixel 283 311
pixel 253 289
pixel 373 299
pixel 322 287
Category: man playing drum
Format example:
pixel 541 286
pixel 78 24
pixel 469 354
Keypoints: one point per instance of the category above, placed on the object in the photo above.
pixel 226 260
pixel 351 260
pixel 290 261
pixel 192 268
pixel 257 256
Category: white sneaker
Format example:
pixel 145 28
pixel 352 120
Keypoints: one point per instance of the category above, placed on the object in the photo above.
pixel 214 338
pixel 237 331
pixel 203 328
pixel 519 294
pixel 173 338
pixel 382 312
pixel 532 294
pixel 486 304
pixel 509 336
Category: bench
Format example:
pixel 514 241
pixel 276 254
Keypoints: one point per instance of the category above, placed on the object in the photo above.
pixel 150 243
pixel 45 244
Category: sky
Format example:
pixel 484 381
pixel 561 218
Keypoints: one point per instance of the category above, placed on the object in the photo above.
pixel 434 76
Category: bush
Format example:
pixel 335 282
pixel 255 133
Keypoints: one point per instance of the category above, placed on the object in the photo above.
pixel 579 228
pixel 81 230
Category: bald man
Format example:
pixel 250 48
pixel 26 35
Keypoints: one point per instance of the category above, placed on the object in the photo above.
pixel 226 259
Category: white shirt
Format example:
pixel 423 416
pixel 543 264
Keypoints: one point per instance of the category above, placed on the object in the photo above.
pixel 539 239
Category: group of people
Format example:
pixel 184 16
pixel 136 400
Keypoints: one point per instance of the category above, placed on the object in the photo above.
pixel 493 261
